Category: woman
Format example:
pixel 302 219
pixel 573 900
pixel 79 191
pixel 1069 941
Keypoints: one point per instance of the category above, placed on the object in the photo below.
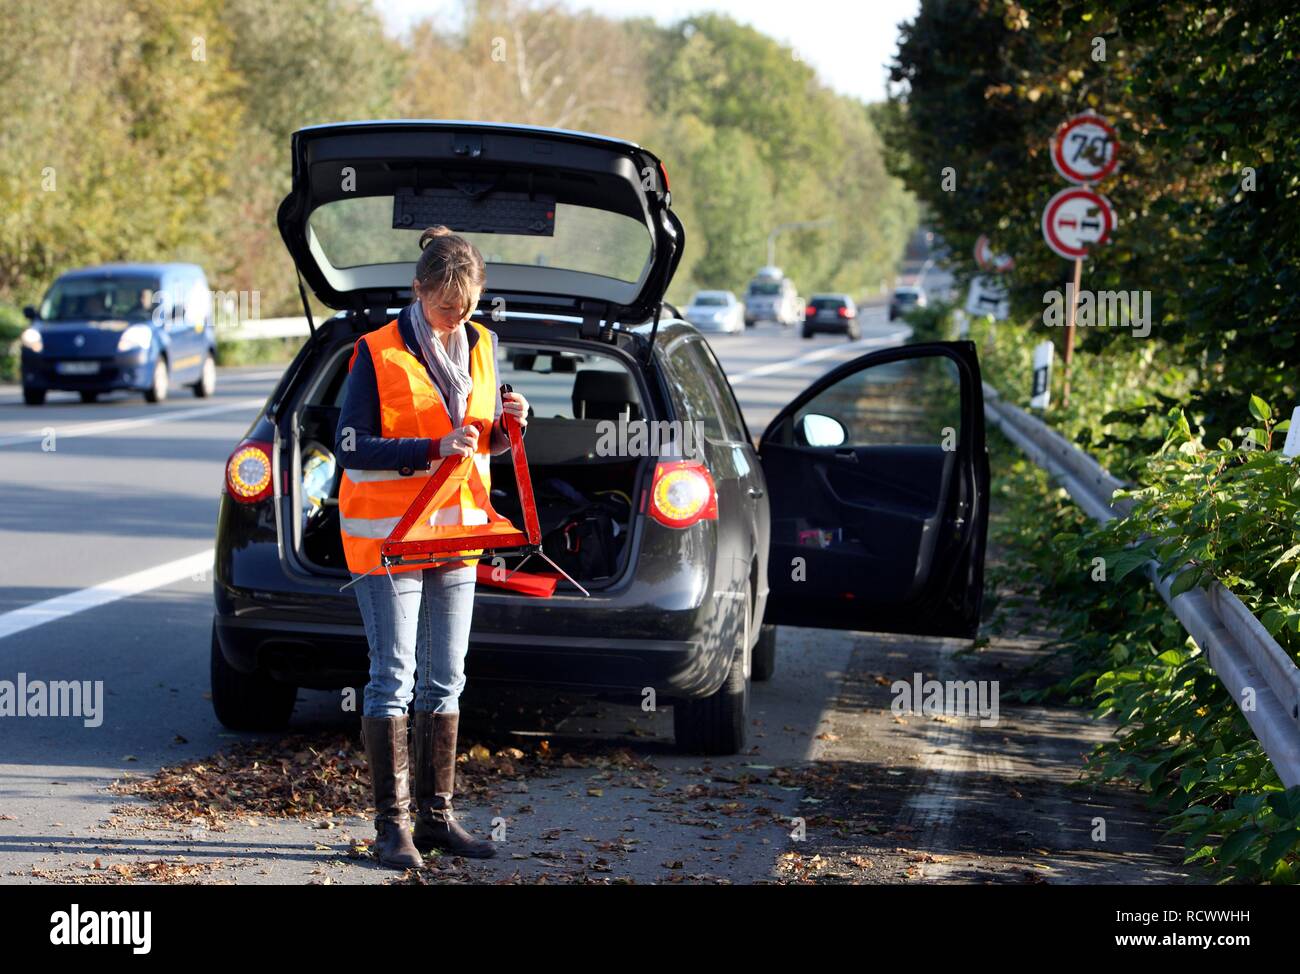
pixel 418 390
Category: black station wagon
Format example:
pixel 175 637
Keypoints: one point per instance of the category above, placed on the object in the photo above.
pixel 863 505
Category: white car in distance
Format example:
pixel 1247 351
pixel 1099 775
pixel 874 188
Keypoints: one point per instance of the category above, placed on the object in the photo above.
pixel 716 311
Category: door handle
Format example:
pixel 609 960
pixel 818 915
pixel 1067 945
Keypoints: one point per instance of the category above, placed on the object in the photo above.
pixel 755 492
pixel 847 455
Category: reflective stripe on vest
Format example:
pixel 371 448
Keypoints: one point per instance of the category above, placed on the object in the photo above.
pixel 372 502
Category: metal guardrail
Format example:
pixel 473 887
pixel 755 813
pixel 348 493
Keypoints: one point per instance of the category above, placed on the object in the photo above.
pixel 1239 649
pixel 255 328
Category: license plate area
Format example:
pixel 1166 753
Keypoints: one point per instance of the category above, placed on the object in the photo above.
pixel 77 368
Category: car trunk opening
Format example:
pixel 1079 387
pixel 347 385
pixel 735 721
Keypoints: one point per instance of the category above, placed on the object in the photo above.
pixel 585 500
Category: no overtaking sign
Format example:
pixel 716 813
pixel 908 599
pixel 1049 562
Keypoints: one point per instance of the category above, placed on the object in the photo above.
pixel 1075 220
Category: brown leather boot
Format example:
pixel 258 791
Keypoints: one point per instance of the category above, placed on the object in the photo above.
pixel 385 741
pixel 435 782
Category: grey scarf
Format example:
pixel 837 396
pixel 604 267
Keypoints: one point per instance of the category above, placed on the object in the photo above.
pixel 449 366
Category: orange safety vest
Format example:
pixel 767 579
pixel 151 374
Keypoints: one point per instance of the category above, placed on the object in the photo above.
pixel 371 502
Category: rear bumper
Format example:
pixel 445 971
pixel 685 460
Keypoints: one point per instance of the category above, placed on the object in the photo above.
pixel 840 327
pixel 327 657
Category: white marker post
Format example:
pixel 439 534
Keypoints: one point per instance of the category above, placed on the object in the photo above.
pixel 1292 446
pixel 1041 392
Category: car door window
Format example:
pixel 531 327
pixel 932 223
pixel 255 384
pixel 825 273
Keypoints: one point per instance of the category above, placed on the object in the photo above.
pixel 690 368
pixel 913 402
pixel 733 424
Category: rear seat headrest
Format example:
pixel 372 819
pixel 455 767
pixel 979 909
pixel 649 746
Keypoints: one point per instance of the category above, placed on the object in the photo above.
pixel 604 394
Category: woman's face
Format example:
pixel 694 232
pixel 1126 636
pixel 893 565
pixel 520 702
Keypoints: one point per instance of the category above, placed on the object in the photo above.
pixel 444 312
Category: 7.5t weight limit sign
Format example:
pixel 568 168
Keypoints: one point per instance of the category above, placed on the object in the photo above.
pixel 1075 220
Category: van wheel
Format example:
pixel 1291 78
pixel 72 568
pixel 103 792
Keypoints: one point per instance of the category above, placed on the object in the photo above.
pixel 207 383
pixel 158 388
pixel 248 702
pixel 33 397
pixel 763 664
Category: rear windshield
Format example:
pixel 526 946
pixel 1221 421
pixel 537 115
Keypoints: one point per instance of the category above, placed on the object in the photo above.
pixel 820 303
pixel 113 298
pixel 359 232
pixel 709 300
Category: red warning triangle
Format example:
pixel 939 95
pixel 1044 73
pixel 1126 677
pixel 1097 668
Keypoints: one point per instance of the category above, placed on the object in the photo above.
pixel 417 539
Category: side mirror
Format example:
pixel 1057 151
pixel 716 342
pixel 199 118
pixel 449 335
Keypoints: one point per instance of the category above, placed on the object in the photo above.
pixel 29 313
pixel 818 430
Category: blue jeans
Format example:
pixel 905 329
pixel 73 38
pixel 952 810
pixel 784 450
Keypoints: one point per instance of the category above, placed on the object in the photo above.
pixel 421 631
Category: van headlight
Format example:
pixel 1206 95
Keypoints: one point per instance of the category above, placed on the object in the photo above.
pixel 31 339
pixel 137 336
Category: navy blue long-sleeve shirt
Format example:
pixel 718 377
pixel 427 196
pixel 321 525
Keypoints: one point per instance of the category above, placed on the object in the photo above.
pixel 360 413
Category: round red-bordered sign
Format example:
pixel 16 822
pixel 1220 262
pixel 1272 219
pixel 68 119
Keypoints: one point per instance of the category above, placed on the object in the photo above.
pixel 1075 220
pixel 1085 149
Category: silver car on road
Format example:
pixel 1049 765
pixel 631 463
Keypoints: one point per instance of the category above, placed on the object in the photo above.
pixel 716 311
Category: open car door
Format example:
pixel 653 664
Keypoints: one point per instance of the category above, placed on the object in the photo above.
pixel 879 483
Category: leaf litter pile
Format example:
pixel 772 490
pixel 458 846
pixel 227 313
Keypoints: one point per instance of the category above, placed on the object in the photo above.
pixel 322 777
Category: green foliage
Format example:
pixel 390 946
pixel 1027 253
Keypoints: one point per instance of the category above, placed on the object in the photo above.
pixel 1229 512
pixel 166 127
pixel 933 323
pixel 1207 192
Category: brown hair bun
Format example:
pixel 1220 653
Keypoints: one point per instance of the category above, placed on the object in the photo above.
pixel 450 267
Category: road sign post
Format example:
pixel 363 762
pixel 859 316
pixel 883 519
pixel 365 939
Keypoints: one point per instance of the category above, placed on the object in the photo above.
pixel 1084 150
pixel 1074 221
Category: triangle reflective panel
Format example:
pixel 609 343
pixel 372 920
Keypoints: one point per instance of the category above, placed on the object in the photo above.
pixel 419 538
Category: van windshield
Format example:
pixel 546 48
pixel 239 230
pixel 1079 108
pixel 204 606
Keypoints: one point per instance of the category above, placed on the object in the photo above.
pixel 115 298
pixel 765 287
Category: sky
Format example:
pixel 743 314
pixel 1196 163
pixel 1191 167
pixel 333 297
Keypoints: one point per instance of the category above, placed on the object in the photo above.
pixel 847 42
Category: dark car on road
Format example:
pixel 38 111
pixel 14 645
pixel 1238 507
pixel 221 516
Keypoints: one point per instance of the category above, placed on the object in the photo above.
pixel 836 520
pixel 134 327
pixel 905 298
pixel 834 313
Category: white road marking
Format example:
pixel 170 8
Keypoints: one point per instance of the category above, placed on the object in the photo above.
pixel 114 425
pixel 62 606
pixel 773 368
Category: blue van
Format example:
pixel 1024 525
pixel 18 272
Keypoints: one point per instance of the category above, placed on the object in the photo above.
pixel 139 327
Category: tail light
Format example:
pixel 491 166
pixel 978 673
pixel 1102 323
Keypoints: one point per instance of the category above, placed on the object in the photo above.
pixel 682 493
pixel 844 312
pixel 248 472
pixel 810 311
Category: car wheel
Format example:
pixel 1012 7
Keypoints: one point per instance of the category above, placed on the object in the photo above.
pixel 854 334
pixel 33 397
pixel 207 383
pixel 158 389
pixel 763 664
pixel 248 701
pixel 716 724
pixel 89 395
pixel 807 333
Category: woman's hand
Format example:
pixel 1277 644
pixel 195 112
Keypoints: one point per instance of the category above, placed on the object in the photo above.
pixel 514 404
pixel 459 442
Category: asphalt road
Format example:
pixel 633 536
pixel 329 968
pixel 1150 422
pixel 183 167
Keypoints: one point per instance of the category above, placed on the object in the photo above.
pixel 106 520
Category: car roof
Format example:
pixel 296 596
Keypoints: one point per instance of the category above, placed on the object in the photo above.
pixel 124 269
